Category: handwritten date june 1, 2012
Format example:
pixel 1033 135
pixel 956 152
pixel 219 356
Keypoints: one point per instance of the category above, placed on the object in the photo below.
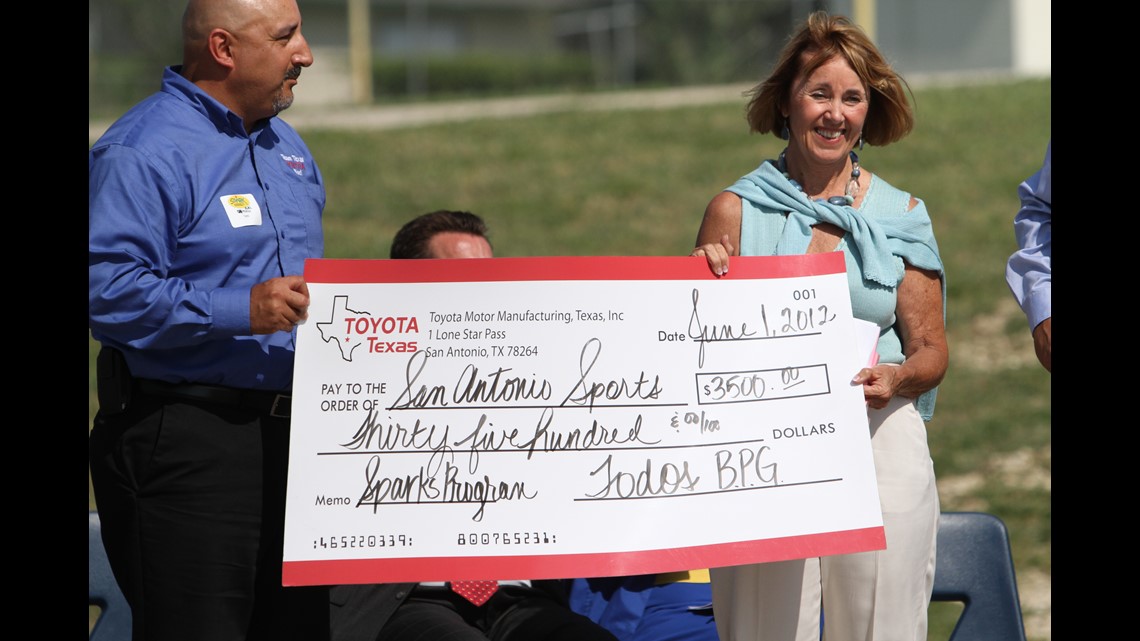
pixel 788 322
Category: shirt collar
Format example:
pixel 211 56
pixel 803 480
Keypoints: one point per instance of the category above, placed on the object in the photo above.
pixel 174 83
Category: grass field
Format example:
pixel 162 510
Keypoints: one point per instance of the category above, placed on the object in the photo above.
pixel 636 182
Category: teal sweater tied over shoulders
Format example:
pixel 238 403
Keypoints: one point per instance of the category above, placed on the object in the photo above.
pixel 880 236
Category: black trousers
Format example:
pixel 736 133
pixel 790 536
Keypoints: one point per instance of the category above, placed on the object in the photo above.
pixel 191 497
pixel 514 613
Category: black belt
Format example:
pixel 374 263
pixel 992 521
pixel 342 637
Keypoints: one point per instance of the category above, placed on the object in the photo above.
pixel 260 401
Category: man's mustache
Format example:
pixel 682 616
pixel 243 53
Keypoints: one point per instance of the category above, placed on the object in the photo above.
pixel 293 73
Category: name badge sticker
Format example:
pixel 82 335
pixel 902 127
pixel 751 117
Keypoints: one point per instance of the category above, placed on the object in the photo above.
pixel 242 209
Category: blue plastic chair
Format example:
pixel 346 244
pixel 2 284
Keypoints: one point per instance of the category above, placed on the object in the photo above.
pixel 114 622
pixel 975 568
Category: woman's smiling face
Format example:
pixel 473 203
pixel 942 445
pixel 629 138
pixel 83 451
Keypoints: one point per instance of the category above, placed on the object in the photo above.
pixel 826 110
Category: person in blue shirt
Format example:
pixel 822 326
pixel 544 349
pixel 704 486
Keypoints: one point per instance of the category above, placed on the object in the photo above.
pixel 202 209
pixel 1029 272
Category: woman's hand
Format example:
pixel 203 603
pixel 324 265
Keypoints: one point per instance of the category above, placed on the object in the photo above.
pixel 716 254
pixel 879 384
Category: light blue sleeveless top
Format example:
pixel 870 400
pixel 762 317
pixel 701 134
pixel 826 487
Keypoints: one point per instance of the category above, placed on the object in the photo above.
pixel 776 220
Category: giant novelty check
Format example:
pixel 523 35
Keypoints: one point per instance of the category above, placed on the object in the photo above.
pixel 529 418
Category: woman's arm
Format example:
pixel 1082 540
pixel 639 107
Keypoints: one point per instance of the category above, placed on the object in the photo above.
pixel 719 235
pixel 920 321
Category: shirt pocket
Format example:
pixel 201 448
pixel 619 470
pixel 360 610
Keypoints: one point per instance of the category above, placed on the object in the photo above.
pixel 305 213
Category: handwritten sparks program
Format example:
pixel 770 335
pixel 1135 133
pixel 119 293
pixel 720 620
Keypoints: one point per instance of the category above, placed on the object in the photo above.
pixel 528 418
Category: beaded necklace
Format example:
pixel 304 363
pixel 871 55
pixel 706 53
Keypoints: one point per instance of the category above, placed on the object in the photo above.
pixel 849 194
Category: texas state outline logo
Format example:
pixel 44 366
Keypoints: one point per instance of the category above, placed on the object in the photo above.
pixel 351 329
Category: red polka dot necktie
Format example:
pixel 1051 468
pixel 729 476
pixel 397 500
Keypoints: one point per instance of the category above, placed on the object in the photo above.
pixel 476 592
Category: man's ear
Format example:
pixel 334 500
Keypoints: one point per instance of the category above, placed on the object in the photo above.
pixel 221 44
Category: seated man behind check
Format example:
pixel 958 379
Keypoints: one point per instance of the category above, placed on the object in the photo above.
pixel 443 234
pixel 517 610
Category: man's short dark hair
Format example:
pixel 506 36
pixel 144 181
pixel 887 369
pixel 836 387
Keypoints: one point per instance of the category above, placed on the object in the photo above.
pixel 412 239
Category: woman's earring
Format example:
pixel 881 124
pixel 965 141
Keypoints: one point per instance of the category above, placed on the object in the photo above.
pixel 785 134
pixel 860 141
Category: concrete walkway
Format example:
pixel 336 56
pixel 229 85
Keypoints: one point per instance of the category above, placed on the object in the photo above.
pixel 431 113
pixel 350 117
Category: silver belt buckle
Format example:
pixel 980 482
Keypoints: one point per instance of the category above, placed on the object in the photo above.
pixel 281 409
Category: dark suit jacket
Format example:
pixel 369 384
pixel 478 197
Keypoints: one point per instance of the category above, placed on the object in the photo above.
pixel 358 612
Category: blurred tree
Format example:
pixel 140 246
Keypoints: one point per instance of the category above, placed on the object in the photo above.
pixel 709 41
pixel 674 42
pixel 150 29
pixel 129 42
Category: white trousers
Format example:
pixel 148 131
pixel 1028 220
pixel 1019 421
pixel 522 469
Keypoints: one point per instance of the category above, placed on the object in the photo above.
pixel 869 596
